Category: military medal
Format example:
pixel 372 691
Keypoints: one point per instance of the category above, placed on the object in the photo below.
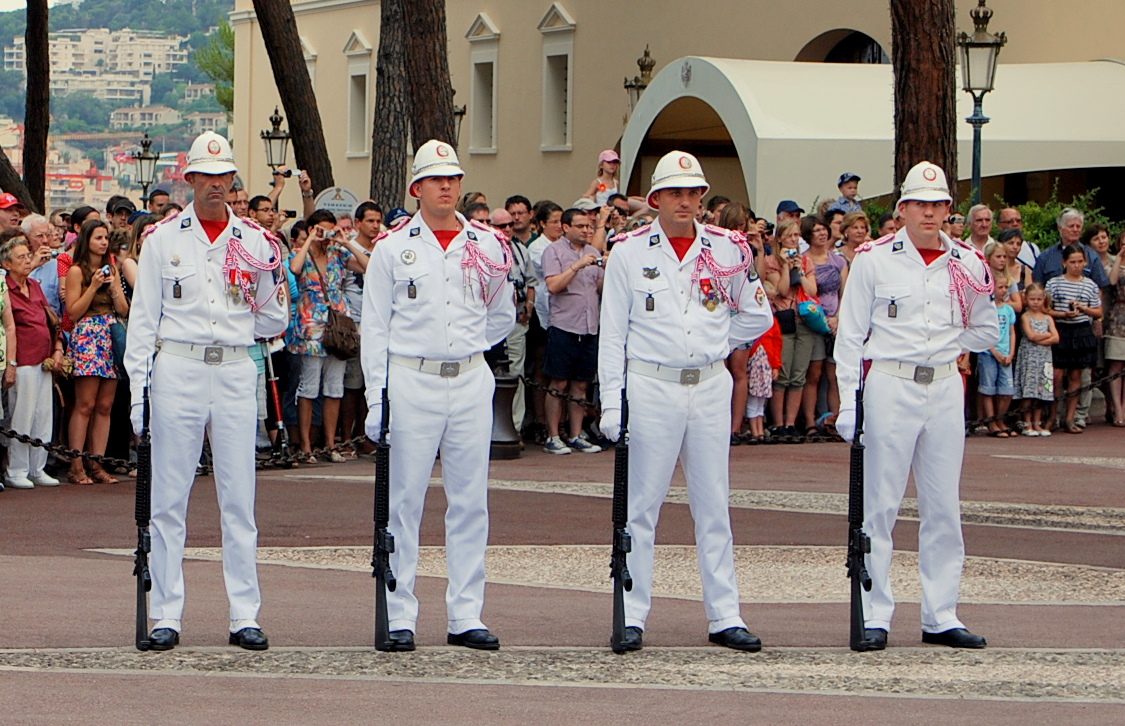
pixel 411 290
pixel 176 291
pixel 650 303
pixel 708 291
pixel 175 260
pixel 892 309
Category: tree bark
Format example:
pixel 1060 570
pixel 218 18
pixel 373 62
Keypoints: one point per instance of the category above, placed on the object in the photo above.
pixel 427 70
pixel 279 33
pixel 392 108
pixel 11 183
pixel 37 117
pixel 923 53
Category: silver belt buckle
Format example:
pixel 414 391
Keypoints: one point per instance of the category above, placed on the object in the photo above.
pixel 689 377
pixel 450 370
pixel 213 355
pixel 923 374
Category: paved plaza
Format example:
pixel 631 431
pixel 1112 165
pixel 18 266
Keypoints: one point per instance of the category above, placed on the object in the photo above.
pixel 1044 582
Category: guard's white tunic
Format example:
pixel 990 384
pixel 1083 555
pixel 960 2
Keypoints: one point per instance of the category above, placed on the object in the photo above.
pixel 447 319
pixel 909 426
pixel 669 420
pixel 188 396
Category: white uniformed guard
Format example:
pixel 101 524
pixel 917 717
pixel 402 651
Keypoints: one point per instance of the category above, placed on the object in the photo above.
pixel 678 297
pixel 915 301
pixel 436 296
pixel 206 288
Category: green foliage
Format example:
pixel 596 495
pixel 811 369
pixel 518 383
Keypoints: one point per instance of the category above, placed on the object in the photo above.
pixel 1040 225
pixel 178 17
pixel 13 96
pixel 216 60
pixel 79 112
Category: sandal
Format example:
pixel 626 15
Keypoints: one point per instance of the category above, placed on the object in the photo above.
pixel 999 434
pixel 101 476
pixel 1073 428
pixel 78 477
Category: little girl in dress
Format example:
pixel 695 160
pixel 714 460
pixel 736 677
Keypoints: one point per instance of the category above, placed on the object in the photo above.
pixel 762 370
pixel 1035 373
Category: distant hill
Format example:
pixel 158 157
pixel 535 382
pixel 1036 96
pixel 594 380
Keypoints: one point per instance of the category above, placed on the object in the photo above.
pixel 178 17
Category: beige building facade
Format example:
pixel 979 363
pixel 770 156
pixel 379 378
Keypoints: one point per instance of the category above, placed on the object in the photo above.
pixel 543 81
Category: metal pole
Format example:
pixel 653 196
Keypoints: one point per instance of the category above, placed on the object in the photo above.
pixel 144 194
pixel 978 119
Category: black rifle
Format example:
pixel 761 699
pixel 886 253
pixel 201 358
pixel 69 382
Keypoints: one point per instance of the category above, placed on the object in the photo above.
pixel 859 544
pixel 384 540
pixel 281 435
pixel 622 541
pixel 143 513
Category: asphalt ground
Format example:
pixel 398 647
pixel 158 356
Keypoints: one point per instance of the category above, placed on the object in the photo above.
pixel 67 630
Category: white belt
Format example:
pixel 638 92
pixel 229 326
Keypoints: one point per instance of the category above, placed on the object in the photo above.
pixel 683 376
pixel 445 369
pixel 911 372
pixel 210 354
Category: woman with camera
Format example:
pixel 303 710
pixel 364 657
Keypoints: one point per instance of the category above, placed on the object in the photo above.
pixel 320 267
pixel 94 300
pixel 785 273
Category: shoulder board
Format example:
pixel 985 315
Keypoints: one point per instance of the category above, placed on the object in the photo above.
pixel 268 233
pixel 962 244
pixel 868 246
pixel 640 231
pixel 716 230
pixel 618 238
pixel 156 225
pixel 399 224
pixel 481 225
pixel 381 235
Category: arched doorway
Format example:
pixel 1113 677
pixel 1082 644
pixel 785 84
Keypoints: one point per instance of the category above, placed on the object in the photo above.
pixel 691 124
pixel 843 46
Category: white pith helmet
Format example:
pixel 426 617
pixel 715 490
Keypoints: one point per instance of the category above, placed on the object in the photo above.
pixel 434 158
pixel 210 154
pixel 677 170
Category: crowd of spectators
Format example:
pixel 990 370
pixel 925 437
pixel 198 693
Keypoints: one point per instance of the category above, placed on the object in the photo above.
pixel 69 279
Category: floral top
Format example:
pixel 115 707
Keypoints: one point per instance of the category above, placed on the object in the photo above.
pixel 312 306
pixel 1115 317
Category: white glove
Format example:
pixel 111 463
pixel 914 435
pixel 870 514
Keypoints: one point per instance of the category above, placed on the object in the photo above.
pixel 845 424
pixel 373 426
pixel 610 424
pixel 137 417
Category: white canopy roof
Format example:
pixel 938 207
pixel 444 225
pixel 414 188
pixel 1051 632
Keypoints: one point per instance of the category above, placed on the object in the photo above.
pixel 797 126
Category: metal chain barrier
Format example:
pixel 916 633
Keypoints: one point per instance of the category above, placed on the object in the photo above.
pixel 61 451
pixel 970 425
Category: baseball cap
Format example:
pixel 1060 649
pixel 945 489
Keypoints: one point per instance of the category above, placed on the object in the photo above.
pixel 161 189
pixel 789 206
pixel 846 177
pixel 608 155
pixel 121 204
pixel 395 215
pixel 7 201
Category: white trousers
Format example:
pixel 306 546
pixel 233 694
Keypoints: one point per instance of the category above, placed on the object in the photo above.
pixel 517 360
pixel 912 427
pixel 189 396
pixel 429 412
pixel 33 415
pixel 670 421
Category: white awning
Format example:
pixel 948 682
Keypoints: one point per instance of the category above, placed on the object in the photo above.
pixel 797 126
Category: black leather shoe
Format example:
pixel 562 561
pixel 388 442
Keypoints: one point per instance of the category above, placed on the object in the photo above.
pixel 633 640
pixel 250 639
pixel 954 638
pixel 874 639
pixel 401 641
pixel 737 638
pixel 480 639
pixel 163 639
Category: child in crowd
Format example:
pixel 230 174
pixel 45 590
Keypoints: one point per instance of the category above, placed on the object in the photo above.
pixel 849 193
pixel 1075 303
pixel 994 368
pixel 1035 376
pixel 762 370
pixel 605 184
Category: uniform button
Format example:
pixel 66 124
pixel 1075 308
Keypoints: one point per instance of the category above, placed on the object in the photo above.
pixel 212 300
pixel 689 332
pixel 691 355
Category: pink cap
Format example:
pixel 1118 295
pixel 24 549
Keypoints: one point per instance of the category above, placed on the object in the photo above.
pixel 608 155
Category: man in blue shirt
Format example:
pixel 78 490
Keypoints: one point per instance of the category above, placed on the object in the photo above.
pixel 44 242
pixel 1050 262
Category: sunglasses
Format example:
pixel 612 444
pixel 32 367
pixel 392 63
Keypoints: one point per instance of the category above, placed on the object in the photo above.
pixel 502 226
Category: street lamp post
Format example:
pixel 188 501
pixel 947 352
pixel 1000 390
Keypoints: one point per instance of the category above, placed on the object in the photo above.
pixel 276 141
pixel 145 159
pixel 637 86
pixel 979 52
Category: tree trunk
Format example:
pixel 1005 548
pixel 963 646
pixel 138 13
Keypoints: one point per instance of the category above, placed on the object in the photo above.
pixel 392 108
pixel 279 33
pixel 923 52
pixel 427 70
pixel 37 117
pixel 11 183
